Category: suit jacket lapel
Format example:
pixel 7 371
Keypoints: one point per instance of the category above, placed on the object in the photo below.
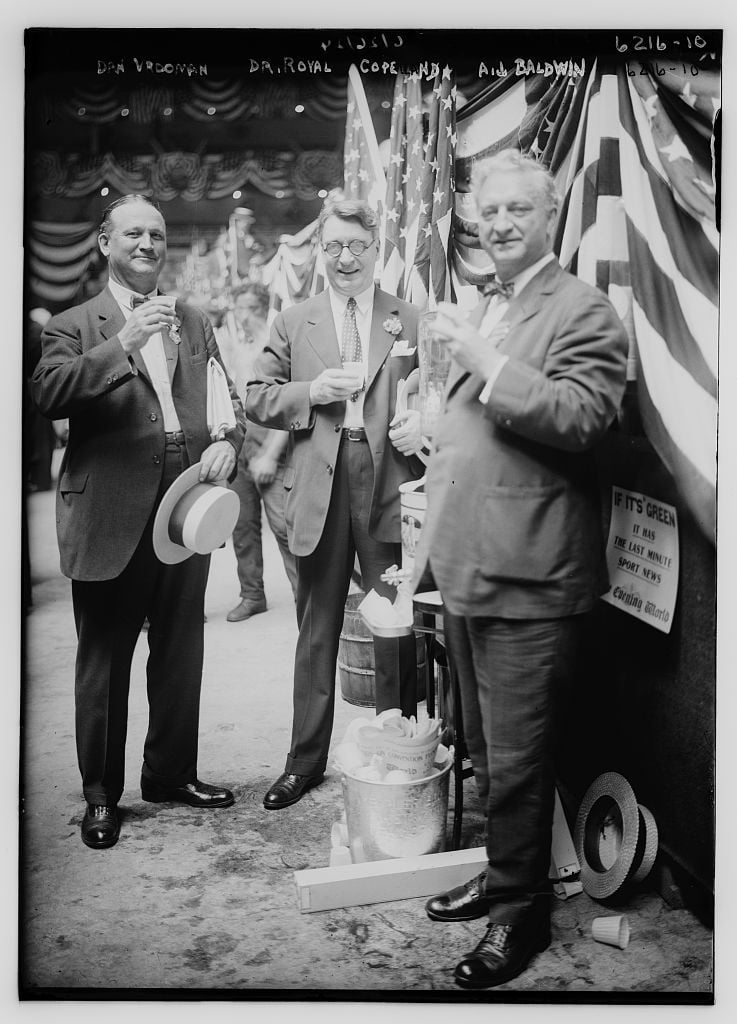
pixel 112 321
pixel 381 341
pixel 171 349
pixel 529 300
pixel 457 374
pixel 320 332
pixel 521 308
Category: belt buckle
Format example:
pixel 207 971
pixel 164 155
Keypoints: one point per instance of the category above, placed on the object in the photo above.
pixel 354 434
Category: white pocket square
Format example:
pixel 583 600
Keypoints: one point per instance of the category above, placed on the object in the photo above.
pixel 401 348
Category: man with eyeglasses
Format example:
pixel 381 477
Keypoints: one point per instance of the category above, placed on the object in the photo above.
pixel 513 534
pixel 129 369
pixel 329 376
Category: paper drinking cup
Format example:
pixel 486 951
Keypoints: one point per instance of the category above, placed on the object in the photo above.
pixel 356 370
pixel 613 930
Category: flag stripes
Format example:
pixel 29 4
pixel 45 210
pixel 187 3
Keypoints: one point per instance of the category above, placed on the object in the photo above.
pixel 632 158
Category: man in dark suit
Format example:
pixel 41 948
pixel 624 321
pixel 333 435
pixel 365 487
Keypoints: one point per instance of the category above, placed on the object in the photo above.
pixel 345 462
pixel 513 532
pixel 130 371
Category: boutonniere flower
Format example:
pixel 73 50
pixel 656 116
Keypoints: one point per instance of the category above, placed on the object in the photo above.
pixel 393 325
pixel 174 334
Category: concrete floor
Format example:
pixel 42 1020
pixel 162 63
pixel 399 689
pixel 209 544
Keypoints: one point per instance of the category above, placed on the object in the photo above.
pixel 192 904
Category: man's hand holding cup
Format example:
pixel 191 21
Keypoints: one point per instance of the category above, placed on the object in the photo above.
pixel 153 315
pixel 335 385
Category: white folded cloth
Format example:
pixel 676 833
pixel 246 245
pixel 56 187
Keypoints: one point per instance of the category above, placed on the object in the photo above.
pixel 220 414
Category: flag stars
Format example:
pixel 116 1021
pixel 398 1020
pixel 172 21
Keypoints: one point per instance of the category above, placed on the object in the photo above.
pixel 396 158
pixel 675 150
pixel 446 72
pixel 438 195
pixel 392 215
pixel 447 102
pixel 688 96
pixel 413 112
pixel 651 107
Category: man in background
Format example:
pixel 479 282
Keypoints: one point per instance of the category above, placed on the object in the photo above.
pixel 259 478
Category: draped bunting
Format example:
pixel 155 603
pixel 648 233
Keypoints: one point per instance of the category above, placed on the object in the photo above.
pixel 631 153
pixel 59 256
pixel 296 270
pixel 189 175
pixel 233 99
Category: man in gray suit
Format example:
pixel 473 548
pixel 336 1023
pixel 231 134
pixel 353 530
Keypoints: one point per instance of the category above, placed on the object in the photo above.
pixel 130 371
pixel 345 462
pixel 513 532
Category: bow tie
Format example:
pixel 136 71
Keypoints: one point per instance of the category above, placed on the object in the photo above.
pixel 503 288
pixel 138 300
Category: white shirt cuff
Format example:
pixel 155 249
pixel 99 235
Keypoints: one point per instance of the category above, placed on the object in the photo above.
pixel 486 392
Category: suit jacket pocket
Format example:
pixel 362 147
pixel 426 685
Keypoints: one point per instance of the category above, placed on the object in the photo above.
pixel 197 358
pixel 527 534
pixel 73 483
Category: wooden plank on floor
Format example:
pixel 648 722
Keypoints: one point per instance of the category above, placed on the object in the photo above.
pixel 380 881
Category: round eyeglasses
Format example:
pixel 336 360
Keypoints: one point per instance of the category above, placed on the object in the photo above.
pixel 355 247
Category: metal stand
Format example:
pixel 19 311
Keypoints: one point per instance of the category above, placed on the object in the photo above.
pixel 443 697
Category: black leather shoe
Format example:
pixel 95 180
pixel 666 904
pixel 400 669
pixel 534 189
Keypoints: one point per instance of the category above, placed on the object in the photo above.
pixel 502 954
pixel 464 903
pixel 100 826
pixel 288 789
pixel 196 794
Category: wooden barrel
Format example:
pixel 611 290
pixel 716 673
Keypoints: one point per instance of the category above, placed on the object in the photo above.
pixel 356 658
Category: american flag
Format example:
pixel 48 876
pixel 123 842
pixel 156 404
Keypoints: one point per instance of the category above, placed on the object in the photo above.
pixel 403 184
pixel 632 155
pixel 364 176
pixel 429 277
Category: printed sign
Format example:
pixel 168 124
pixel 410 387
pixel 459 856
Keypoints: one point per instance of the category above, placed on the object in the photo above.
pixel 642 558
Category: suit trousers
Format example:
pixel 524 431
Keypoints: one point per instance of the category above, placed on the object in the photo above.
pixel 323 580
pixel 247 541
pixel 109 615
pixel 515 676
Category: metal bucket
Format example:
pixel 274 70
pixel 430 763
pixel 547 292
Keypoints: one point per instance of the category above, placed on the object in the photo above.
pixel 356 657
pixel 405 820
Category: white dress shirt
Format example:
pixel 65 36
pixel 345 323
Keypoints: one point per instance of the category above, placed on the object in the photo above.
pixel 154 357
pixel 496 309
pixel 364 315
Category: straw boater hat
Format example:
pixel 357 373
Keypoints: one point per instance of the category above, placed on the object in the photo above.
pixel 616 838
pixel 193 518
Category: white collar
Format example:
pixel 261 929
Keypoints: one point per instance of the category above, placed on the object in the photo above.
pixel 364 300
pixel 525 276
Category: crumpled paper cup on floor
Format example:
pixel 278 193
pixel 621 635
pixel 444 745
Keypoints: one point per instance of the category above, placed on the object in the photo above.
pixel 613 930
